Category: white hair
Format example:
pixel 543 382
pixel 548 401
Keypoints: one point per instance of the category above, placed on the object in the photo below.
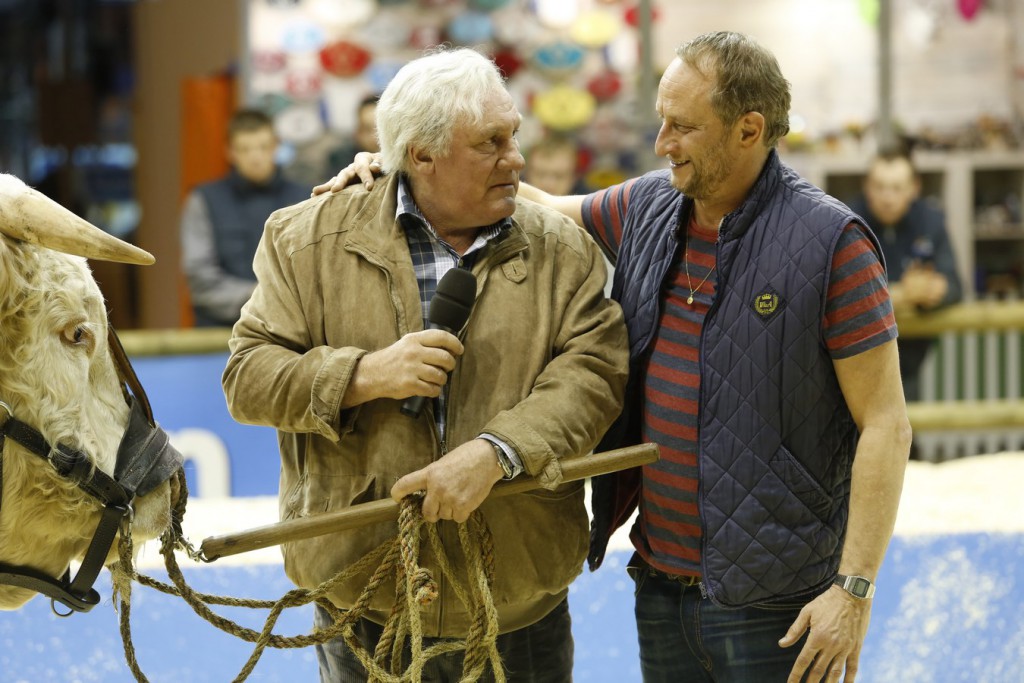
pixel 427 98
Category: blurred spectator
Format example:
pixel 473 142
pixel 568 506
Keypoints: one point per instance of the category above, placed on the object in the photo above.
pixel 918 256
pixel 222 221
pixel 552 164
pixel 364 139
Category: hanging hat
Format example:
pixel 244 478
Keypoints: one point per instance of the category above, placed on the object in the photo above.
pixel 470 28
pixel 558 59
pixel 563 107
pixel 301 35
pixel 344 59
pixel 299 124
pixel 339 16
pixel 268 61
pixel 303 84
pixel 596 28
pixel 380 73
pixel 508 62
pixel 605 85
pixel 632 15
pixel 422 37
pixel 488 5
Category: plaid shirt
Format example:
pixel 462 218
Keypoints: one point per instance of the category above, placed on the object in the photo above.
pixel 432 257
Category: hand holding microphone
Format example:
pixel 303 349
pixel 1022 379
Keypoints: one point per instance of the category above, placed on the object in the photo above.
pixel 449 310
pixel 417 365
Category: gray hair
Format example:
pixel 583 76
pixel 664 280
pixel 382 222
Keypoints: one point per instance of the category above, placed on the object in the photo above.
pixel 747 78
pixel 427 98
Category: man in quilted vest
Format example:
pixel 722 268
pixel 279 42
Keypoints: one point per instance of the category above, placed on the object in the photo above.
pixel 764 365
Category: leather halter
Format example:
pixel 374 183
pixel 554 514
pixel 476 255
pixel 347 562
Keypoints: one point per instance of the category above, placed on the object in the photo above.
pixel 145 459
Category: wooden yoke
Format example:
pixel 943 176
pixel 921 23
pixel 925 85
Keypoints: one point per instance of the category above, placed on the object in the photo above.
pixel 573 469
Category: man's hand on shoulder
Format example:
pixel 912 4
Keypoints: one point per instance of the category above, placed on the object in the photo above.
pixel 363 168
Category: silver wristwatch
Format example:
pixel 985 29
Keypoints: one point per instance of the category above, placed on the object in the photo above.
pixel 503 460
pixel 857 586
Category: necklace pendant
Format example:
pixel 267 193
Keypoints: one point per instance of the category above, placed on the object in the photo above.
pixel 689 299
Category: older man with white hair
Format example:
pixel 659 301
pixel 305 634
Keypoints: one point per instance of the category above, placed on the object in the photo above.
pixel 333 341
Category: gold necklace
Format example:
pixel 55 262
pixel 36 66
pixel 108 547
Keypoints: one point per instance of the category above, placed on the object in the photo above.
pixel 686 266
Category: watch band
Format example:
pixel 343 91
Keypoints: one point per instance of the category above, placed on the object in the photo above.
pixel 857 586
pixel 503 461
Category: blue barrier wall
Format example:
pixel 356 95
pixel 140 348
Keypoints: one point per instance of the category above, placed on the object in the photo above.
pixel 230 458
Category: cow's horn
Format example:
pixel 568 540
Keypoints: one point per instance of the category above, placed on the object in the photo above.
pixel 31 216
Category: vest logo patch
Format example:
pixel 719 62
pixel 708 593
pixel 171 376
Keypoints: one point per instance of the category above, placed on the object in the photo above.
pixel 768 304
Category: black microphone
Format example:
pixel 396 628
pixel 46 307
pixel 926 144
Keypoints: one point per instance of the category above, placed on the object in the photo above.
pixel 449 311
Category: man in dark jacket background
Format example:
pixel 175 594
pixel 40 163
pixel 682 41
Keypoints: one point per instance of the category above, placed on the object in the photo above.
pixel 919 259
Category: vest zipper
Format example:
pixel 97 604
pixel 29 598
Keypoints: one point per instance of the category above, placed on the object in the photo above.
pixel 705 588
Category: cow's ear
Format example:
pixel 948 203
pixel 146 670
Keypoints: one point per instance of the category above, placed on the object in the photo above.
pixel 31 216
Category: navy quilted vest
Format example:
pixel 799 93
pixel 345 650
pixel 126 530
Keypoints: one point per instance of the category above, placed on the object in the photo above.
pixel 776 437
pixel 238 209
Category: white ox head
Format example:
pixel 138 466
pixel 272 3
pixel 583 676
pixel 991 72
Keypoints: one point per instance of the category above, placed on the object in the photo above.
pixel 57 375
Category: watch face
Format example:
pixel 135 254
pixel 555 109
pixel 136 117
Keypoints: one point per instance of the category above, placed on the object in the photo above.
pixel 860 586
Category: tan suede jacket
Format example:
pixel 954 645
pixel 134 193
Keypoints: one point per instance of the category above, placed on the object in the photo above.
pixel 544 369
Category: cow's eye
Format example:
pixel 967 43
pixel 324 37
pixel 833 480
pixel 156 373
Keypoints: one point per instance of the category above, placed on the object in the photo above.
pixel 78 335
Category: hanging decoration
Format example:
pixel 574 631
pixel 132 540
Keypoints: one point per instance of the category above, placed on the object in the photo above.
pixel 969 8
pixel 557 13
pixel 508 62
pixel 380 73
pixel 596 28
pixel 633 15
pixel 344 59
pixel 469 28
pixel 488 5
pixel 302 35
pixel 868 10
pixel 564 108
pixel 340 15
pixel 558 59
pixel 422 37
pixel 605 85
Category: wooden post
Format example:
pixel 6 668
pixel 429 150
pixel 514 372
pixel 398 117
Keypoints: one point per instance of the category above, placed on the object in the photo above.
pixel 573 469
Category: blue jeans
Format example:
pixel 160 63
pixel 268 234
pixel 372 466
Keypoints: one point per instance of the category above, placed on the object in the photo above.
pixel 684 637
pixel 539 653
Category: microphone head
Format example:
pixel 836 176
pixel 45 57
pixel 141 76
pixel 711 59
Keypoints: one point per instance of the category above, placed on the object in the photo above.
pixel 453 300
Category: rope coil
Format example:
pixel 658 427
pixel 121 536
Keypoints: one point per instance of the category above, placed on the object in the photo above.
pixel 415 588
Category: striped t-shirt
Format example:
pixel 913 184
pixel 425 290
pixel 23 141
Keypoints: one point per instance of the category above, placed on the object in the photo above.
pixel 858 317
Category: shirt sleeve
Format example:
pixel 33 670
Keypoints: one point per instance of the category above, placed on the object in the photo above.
pixel 604 213
pixel 858 312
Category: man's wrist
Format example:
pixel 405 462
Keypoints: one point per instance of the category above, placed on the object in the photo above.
pixel 859 587
pixel 508 461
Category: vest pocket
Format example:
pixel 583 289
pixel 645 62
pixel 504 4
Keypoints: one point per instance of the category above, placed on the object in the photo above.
pixel 801 483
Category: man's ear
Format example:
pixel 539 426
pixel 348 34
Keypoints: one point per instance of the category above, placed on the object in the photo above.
pixel 420 160
pixel 751 128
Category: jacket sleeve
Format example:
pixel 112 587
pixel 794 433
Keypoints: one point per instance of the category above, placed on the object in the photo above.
pixel 211 289
pixel 579 393
pixel 275 375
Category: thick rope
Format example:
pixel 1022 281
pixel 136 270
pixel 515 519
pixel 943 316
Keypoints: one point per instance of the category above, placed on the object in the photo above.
pixel 415 588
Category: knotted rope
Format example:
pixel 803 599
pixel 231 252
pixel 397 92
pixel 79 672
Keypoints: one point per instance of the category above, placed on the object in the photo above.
pixel 415 588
